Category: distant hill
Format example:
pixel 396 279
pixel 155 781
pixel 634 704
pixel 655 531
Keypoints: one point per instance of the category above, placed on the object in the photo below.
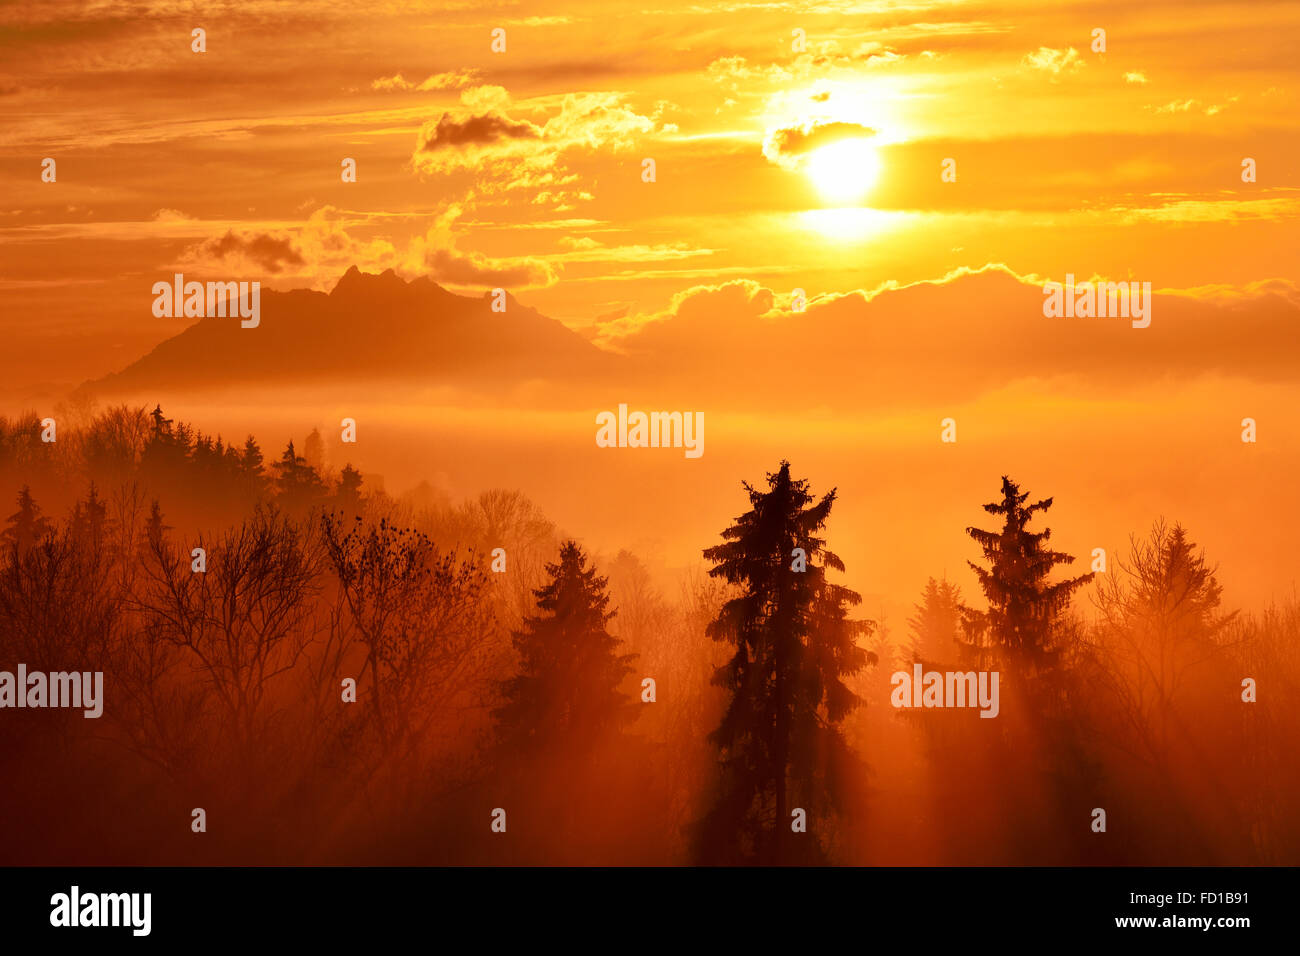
pixel 369 327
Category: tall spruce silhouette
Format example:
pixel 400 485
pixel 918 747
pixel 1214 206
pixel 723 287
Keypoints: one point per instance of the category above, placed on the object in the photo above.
pixel 566 694
pixel 299 484
pixel 781 746
pixel 1024 606
pixel 1161 620
pixel 937 625
pixel 27 526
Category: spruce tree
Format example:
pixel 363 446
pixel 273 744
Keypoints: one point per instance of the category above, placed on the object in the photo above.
pixel 154 527
pixel 251 459
pixel 937 625
pixel 165 459
pixel 348 491
pixel 1025 607
pixel 313 451
pixel 566 694
pixel 780 744
pixel 89 518
pixel 251 476
pixel 27 526
pixel 299 485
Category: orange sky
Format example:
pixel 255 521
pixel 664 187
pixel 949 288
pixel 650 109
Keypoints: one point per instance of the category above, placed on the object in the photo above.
pixel 523 169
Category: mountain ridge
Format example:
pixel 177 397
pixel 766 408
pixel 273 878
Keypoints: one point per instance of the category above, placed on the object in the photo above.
pixel 370 325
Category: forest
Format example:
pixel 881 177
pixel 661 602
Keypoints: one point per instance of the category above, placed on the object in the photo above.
pixel 334 674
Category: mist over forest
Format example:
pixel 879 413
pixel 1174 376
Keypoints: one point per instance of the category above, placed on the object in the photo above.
pixel 499 662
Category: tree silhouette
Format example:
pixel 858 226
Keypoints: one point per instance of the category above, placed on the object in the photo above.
pixel 937 624
pixel 247 619
pixel 155 528
pixel 167 451
pixel 794 643
pixel 27 525
pixel 114 442
pixel 89 518
pixel 250 461
pixel 567 691
pixel 1160 622
pixel 421 615
pixel 313 451
pixel 228 680
pixel 1024 606
pixel 348 493
pixel 298 484
pixel 509 520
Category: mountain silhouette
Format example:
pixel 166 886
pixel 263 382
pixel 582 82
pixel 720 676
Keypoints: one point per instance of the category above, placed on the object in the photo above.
pixel 368 327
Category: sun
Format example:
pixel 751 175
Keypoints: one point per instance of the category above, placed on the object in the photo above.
pixel 845 170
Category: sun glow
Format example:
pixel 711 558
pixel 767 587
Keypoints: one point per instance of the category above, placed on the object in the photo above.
pixel 844 171
pixel 850 224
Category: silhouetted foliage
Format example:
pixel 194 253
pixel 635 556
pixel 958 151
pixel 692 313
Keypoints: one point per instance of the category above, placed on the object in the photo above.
pixel 348 493
pixel 336 688
pixel 247 618
pixel 938 624
pixel 27 525
pixel 298 484
pixel 421 616
pixel 795 643
pixel 567 691
pixel 1024 605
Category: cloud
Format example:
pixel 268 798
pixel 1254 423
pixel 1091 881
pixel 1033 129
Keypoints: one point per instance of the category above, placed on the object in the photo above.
pixel 612 315
pixel 736 72
pixel 331 240
pixel 1135 76
pixel 328 245
pixel 475 269
pixel 554 21
pixel 1188 105
pixel 581 242
pixel 637 252
pixel 1188 209
pixel 436 254
pixel 788 146
pixel 316 250
pixel 972 331
pixel 509 153
pixel 452 133
pixel 450 80
pixel 268 252
pixel 1054 62
pixel 707 313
